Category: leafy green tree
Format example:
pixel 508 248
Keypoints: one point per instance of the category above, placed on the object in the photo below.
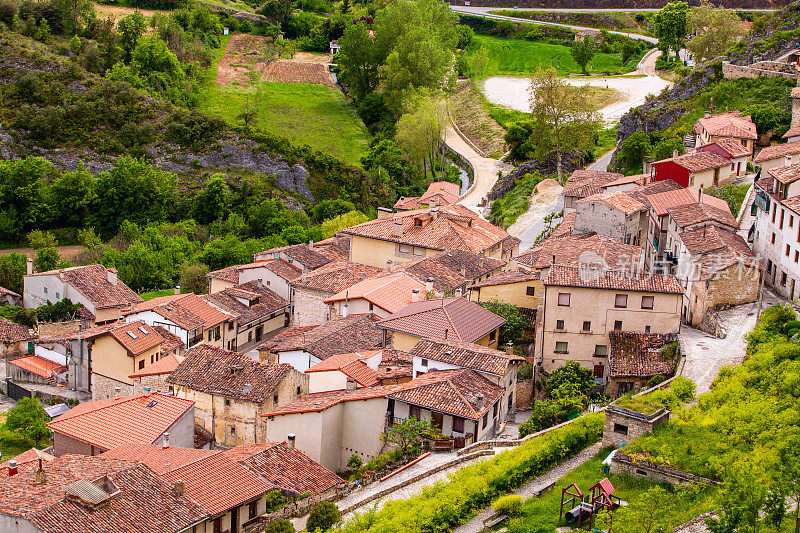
pixel 280 525
pixel 788 468
pixel 131 28
pixel 564 121
pixel 193 278
pixel 385 156
pixel 47 259
pixel 715 30
pixel 479 62
pixel 651 512
pixel 634 149
pixel 294 234
pixel 769 118
pixel 28 418
pixel 212 202
pixel 22 186
pixel 582 52
pixel 323 517
pixel 408 433
pixel 359 59
pixel 107 43
pixel 74 13
pixel 421 130
pixel 276 10
pixel 12 268
pixel 331 208
pixel 669 25
pixel 572 373
pixel 516 322
pixel 39 239
pixel 329 227
pixel 69 197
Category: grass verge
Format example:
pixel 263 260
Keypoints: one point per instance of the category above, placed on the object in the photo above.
pixel 156 294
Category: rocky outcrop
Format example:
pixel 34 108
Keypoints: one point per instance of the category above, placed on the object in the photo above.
pixel 617 4
pixel 547 166
pixel 778 37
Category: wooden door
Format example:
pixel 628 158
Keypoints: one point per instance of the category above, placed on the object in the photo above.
pixel 437 419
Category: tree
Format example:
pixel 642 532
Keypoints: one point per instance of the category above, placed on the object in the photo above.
pixel 248 115
pixel 715 30
pixel 28 418
pixel 562 116
pixel 47 259
pixel 421 130
pixel 193 278
pixel 323 517
pixel 788 468
pixel 583 51
pixel 407 433
pixel 480 61
pixel 12 269
pixel 572 373
pixel 74 13
pixel 769 118
pixel 131 28
pixel 670 26
pixel 212 202
pixel 359 59
pixel 650 513
pixel 635 148
pixel 515 324
pixel 331 208
pixel 280 525
pixel 276 10
pixel 39 239
pixel 329 227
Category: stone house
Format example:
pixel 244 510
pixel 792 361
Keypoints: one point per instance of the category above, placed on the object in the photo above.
pixel 613 214
pixel 91 428
pixel 778 155
pixel 634 358
pixel 96 287
pixel 437 194
pixel 695 170
pixel 15 339
pixel 9 297
pixel 731 125
pixel 154 377
pixel 273 273
pixel 305 346
pixel 625 425
pixel 498 367
pixel 733 151
pixel 442 319
pixel 231 391
pixel 583 305
pixel 583 183
pixel 793 133
pixel 381 295
pixel 311 256
pixel 450 272
pixel 409 236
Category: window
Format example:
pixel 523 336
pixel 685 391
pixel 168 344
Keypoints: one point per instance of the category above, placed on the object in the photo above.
pixel 152 358
pixel 494 411
pixel 416 250
pixel 559 324
pixel 404 249
pixel 458 424
pixel 425 363
pixel 493 336
pixel 773 239
pixel 618 325
pixel 275 399
pixel 691 180
pixel 600 350
pixel 414 412
pixel 218 525
pixel 796 255
pixel 45 290
pixel 774 212
pixel 141 364
pixel 298 391
pixel 787 251
pixel 783 278
pixel 230 326
pixel 530 291
pixel 485 420
pixel 780 224
pixel 647 302
pixel 371 307
pixel 216 333
pixel 791 221
pixel 619 428
pixel 647 329
pixel 58 296
pixel 233 430
pixel 249 336
pixel 598 371
pixel 209 334
pixel 252 507
pixel 227 402
pixel 587 325
pixel 563 299
pixel 621 300
pixel 561 347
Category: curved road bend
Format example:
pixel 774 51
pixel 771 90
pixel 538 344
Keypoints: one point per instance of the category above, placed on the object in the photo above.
pixel 486 169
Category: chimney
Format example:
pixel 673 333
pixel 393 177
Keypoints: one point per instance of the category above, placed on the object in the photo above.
pixel 397 229
pixel 290 440
pixel 12 468
pixel 708 114
pixel 479 403
pixel 336 239
pixel 414 295
pixel 429 284
pixel 445 333
pixel 389 265
pixel 463 271
pixel 41 477
pixel 788 160
pixel 675 153
pixel 111 274
pixel 554 259
pixel 384 212
pixel 310 244
pixel 165 443
pixel 117 392
pixel 29 267
pixel 345 311
pixel 434 212
pixel 146 391
pixel 510 348
pixel 402 200
pixel 177 289
pixel 179 488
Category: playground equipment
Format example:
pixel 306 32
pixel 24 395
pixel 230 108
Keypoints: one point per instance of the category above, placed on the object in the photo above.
pixel 600 496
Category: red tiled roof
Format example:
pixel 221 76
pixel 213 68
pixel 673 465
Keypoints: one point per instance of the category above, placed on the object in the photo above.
pixel 262 301
pixel 145 503
pixel 278 266
pixel 584 182
pixel 452 269
pixel 442 228
pixel 466 355
pixel 306 256
pixel 336 276
pixel 92 281
pixel 639 355
pixel 351 365
pixel 443 192
pixel 171 341
pixel 453 392
pixel 165 365
pixel 574 250
pixel 13 332
pixel 107 424
pixel 289 469
pixel 786 174
pixel 793 131
pixel 691 214
pixel 564 276
pixel 621 201
pixel 336 362
pixel 28 456
pixel 638 179
pixel 212 479
pixel 731 124
pixel 451 318
pixel 566 227
pixel 323 400
pixel 716 248
pixel 778 150
pixel 38 365
pixel 350 334
pixel 390 292
pixel 697 161
pixel 660 202
pixel 506 277
pixel 730 145
pixel 154 302
pixel 136 337
pixel 216 371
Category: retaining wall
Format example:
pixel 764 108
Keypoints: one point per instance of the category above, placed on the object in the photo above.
pixel 769 69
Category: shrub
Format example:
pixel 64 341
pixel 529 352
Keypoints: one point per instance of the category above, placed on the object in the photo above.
pixel 355 462
pixel 683 388
pixel 194 129
pixel 323 516
pixel 281 525
pixel 510 504
pixel 274 500
pixel 655 380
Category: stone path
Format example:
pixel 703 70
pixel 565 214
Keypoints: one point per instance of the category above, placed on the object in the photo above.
pixel 535 486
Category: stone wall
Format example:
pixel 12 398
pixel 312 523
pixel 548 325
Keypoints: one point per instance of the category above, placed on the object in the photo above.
pixel 524 394
pixel 155 383
pixel 623 425
pixel 309 307
pixel 770 69
pixel 624 464
pixel 103 388
pixel 63 444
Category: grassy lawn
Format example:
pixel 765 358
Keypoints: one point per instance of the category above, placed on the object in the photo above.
pixel 538 513
pixel 608 20
pixel 606 141
pixel 155 294
pixel 519 57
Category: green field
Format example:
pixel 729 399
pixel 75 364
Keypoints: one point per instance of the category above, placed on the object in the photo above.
pixel 304 113
pixel 156 294
pixel 517 56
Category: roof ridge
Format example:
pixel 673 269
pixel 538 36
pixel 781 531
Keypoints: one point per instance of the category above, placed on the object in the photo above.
pixel 213 453
pixel 450 319
pixel 459 392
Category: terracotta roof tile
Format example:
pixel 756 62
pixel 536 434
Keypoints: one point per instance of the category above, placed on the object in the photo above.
pixel 28 456
pixel 584 182
pixel 731 124
pixel 446 228
pixel 92 281
pixel 145 503
pixel 136 337
pixel 13 332
pixel 697 161
pixel 351 365
pixel 778 150
pixel 280 267
pixel 786 174
pixel 323 400
pixel 692 214
pixel 336 362
pixel 443 192
pixel 621 201
pixel 793 131
pixel 107 424
pixel 336 276
pixel 38 365
pixel 574 250
pixel 660 202
pixel 164 366
pixel 466 355
pixel 351 334
pixel 730 145
pixel 311 258
pixel 262 301
pixel 452 318
pixel 715 248
pixel 453 392
pixel 566 227
pixel 506 277
pixel 639 355
pixel 445 280
pixel 564 276
pixel 452 269
pixel 217 371
pixel 635 179
pixel 171 341
pixel 390 292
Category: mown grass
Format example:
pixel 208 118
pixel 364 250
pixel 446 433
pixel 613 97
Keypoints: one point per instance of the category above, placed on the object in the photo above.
pixel 155 294
pixel 603 20
pixel 518 57
pixel 733 194
pixel 539 513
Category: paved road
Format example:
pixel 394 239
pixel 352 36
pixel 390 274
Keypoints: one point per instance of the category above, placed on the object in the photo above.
pixel 486 169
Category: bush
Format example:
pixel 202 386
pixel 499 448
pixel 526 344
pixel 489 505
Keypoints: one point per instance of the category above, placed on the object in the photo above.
pixel 510 504
pixel 683 388
pixel 281 525
pixel 655 380
pixel 274 500
pixel 194 129
pixel 355 462
pixel 323 516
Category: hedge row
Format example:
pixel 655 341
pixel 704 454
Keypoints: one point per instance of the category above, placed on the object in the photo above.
pixel 445 505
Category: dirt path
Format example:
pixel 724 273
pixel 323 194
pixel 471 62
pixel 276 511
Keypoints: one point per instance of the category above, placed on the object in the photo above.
pixel 66 252
pixel 531 223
